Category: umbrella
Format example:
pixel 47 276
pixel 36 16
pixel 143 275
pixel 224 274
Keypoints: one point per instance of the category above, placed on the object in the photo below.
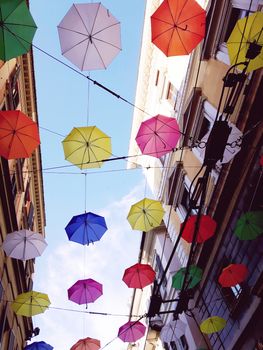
pixel 17 29
pixel 85 291
pixel 18 135
pixel 89 36
pixel 212 324
pixel 145 214
pixel 246 41
pixel 87 147
pixel 250 225
pixel 86 228
pixel 131 331
pixel 194 276
pixel 39 345
pixel 139 276
pixel 172 330
pixel 30 303
pixel 207 227
pixel 233 274
pixel 86 344
pixel 178 26
pixel 158 135
pixel 24 244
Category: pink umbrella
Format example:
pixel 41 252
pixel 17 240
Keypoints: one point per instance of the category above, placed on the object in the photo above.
pixel 158 135
pixel 86 344
pixel 85 291
pixel 131 331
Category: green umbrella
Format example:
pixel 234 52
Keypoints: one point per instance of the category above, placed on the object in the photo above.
pixel 194 276
pixel 17 29
pixel 250 225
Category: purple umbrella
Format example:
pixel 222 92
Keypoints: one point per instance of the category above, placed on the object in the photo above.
pixel 85 291
pixel 131 331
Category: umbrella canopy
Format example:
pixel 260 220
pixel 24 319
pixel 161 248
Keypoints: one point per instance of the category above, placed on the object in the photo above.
pixel 86 344
pixel 89 36
pixel 131 331
pixel 86 228
pixel 17 29
pixel 212 324
pixel 145 214
pixel 86 147
pixel 30 303
pixel 194 276
pixel 19 135
pixel 139 276
pixel 39 345
pixel 24 244
pixel 85 291
pixel 206 230
pixel 178 26
pixel 172 330
pixel 158 135
pixel 250 225
pixel 233 274
pixel 246 41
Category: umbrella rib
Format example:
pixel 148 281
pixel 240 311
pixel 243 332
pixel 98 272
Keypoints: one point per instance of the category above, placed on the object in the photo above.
pixel 181 41
pixel 18 38
pixel 81 19
pixel 10 13
pixel 187 19
pixel 20 24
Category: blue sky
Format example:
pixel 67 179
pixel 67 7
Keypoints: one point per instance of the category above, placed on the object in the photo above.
pixel 63 101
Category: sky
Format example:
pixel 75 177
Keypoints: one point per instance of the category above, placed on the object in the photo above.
pixel 65 100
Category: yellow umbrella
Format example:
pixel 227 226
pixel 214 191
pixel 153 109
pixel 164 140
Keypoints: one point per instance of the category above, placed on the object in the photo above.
pixel 246 41
pixel 145 214
pixel 86 147
pixel 212 324
pixel 30 303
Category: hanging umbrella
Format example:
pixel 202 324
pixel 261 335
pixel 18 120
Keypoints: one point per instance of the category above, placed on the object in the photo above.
pixel 87 147
pixel 145 214
pixel 212 324
pixel 17 29
pixel 89 36
pixel 249 226
pixel 86 228
pixel 233 274
pixel 194 276
pixel 206 230
pixel 139 276
pixel 178 26
pixel 246 41
pixel 19 135
pixel 85 291
pixel 131 331
pixel 24 244
pixel 158 135
pixel 39 345
pixel 86 344
pixel 172 330
pixel 30 303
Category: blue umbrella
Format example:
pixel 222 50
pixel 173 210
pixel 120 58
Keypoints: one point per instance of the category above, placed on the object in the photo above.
pixel 39 345
pixel 86 228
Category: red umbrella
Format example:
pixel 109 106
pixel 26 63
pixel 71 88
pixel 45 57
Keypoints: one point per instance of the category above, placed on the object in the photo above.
pixel 86 344
pixel 178 26
pixel 19 135
pixel 233 274
pixel 85 291
pixel 131 331
pixel 207 227
pixel 138 276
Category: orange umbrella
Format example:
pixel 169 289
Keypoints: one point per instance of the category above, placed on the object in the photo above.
pixel 19 135
pixel 86 344
pixel 178 26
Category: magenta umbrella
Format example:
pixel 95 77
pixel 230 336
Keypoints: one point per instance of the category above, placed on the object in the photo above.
pixel 158 135
pixel 131 331
pixel 85 291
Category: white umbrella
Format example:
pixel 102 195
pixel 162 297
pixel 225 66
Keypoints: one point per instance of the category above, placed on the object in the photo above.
pixel 24 244
pixel 172 330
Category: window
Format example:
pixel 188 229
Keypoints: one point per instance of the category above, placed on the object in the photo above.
pixel 183 341
pixel 171 94
pixel 157 77
pixel 183 201
pixel 173 345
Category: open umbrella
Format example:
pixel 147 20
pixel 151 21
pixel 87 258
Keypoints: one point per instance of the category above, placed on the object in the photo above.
pixel 172 330
pixel 178 26
pixel 39 345
pixel 139 276
pixel 212 324
pixel 89 36
pixel 24 244
pixel 86 344
pixel 17 29
pixel 233 274
pixel 19 135
pixel 86 228
pixel 30 303
pixel 249 226
pixel 246 41
pixel 131 331
pixel 194 276
pixel 158 135
pixel 206 230
pixel 85 291
pixel 86 147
